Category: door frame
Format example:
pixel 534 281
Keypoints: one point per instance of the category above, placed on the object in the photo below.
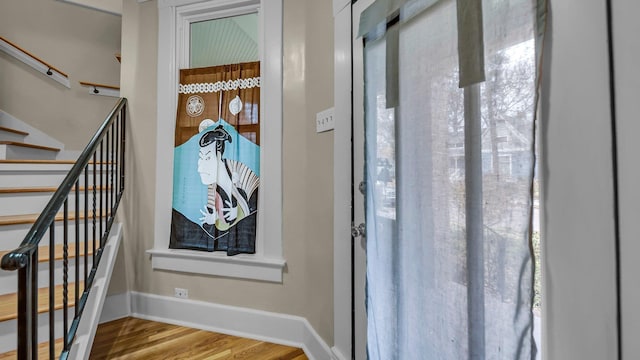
pixel 347 252
pixel 579 230
pixel 342 251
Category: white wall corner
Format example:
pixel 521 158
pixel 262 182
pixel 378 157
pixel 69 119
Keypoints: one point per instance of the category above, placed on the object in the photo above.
pixel 260 325
pixel 337 355
pixel 116 307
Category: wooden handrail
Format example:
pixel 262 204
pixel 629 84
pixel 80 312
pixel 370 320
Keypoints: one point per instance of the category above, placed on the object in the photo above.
pixel 35 57
pixel 35 62
pixel 86 83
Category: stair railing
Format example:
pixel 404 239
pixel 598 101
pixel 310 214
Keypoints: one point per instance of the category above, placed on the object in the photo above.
pixel 101 169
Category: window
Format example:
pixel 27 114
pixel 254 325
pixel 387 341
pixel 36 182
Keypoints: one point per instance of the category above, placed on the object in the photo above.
pixel 178 21
pixel 223 41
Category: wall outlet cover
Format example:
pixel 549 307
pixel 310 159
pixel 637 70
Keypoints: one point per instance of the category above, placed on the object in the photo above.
pixel 181 293
pixel 325 120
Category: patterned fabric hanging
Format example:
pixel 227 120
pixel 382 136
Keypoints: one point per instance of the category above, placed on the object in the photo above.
pixel 216 170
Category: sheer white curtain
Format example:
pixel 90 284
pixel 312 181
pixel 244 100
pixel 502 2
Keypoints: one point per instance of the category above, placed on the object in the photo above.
pixel 435 288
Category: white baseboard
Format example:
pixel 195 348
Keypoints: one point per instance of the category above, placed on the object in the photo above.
pixel 116 307
pixel 248 323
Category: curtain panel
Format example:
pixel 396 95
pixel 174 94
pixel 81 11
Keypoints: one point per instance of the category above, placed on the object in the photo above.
pixel 217 159
pixel 450 171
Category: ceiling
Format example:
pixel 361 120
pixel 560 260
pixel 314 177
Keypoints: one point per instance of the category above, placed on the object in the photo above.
pixel 224 41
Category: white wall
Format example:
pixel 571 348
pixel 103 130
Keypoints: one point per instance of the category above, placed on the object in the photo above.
pixel 579 308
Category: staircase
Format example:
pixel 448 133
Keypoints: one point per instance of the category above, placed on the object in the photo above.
pixel 19 209
pixel 13 147
pixel 78 237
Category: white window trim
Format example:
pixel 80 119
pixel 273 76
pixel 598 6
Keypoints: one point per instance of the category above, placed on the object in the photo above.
pixel 174 17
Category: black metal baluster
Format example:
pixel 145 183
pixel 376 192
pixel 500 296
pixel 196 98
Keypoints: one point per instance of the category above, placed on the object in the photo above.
pixel 95 210
pixel 117 158
pixel 52 294
pixel 124 132
pixel 106 180
pixel 112 167
pixel 65 275
pixel 28 308
pixel 101 190
pixel 77 289
pixel 86 222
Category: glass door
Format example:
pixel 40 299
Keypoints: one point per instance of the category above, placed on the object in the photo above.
pixel 446 167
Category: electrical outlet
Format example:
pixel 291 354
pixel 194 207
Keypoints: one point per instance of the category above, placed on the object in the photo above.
pixel 181 293
pixel 324 120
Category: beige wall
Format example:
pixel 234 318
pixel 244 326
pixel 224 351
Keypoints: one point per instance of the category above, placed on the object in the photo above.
pixel 307 289
pixel 76 40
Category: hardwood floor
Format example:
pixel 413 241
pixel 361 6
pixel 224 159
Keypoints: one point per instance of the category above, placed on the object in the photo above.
pixel 132 338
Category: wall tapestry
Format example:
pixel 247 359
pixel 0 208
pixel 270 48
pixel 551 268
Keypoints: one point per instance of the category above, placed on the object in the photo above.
pixel 216 168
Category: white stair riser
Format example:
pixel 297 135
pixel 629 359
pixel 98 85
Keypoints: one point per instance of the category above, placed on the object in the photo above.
pixel 12 235
pixel 12 179
pixel 14 152
pixel 33 203
pixel 8 329
pixel 10 136
pixel 8 279
pixel 35 136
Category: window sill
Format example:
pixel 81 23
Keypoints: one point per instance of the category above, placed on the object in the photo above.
pixel 242 266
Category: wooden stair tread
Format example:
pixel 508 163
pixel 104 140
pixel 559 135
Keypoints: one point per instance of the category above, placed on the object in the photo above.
pixel 43 252
pixel 9 302
pixel 19 132
pixel 54 162
pixel 64 162
pixel 43 189
pixel 43 351
pixel 32 146
pixel 31 218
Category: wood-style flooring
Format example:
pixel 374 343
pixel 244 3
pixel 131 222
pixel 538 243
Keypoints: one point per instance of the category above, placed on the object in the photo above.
pixel 132 338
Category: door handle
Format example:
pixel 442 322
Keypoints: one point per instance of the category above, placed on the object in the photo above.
pixel 358 231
